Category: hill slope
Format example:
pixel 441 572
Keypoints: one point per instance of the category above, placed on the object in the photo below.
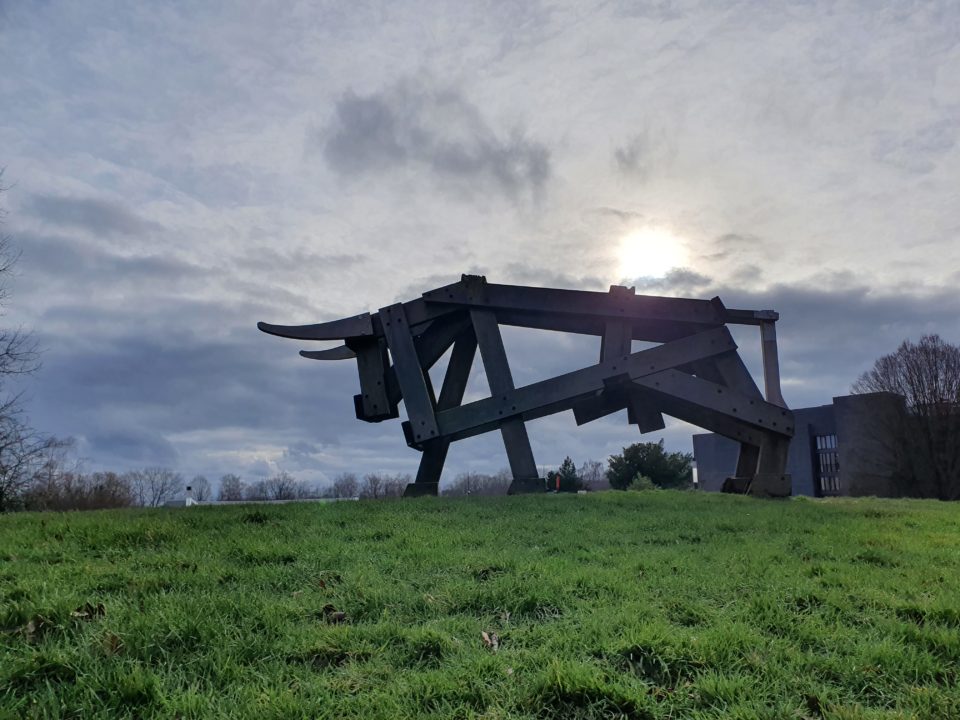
pixel 637 605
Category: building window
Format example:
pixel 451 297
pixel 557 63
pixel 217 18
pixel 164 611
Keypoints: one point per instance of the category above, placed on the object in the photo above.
pixel 827 465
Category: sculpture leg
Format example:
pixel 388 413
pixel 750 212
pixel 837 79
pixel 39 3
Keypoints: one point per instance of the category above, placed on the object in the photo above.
pixel 747 461
pixel 451 394
pixel 431 467
pixel 771 479
pixel 514 433
pixel 526 479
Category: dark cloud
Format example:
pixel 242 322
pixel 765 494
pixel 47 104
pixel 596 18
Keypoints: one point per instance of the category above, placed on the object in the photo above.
pixel 85 264
pixel 124 392
pixel 99 217
pixel 833 327
pixel 731 244
pixel 728 240
pixel 645 153
pixel 617 213
pixel 193 383
pixel 678 281
pixel 272 260
pixel 410 125
pixel 419 285
pixel 304 455
pixel 131 446
pixel 526 274
pixel 748 275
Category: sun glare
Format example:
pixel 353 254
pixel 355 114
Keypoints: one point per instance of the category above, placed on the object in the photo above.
pixel 650 252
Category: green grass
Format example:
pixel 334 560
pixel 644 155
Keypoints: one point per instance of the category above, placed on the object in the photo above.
pixel 632 605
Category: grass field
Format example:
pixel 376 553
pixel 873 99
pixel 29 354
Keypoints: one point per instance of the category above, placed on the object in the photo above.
pixel 635 605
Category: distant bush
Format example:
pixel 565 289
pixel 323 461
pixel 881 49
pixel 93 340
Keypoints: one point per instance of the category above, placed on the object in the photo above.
pixel 641 483
pixel 569 477
pixel 665 470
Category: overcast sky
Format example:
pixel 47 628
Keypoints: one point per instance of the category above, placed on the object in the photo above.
pixel 180 171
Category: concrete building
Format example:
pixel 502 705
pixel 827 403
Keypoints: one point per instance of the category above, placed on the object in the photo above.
pixel 845 448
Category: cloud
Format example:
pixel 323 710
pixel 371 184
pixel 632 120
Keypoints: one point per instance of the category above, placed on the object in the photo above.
pixel 832 328
pixel 773 143
pixel 274 260
pixel 539 276
pixel 919 151
pixel 678 281
pixel 728 240
pixel 133 398
pixel 647 152
pixel 131 446
pixel 98 217
pixel 410 125
pixel 616 213
pixel 55 257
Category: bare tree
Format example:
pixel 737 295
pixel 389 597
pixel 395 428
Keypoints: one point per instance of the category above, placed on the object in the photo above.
pixel 156 485
pixel 925 439
pixel 256 491
pixel 23 454
pixel 108 490
pixel 466 483
pixel 282 486
pixel 231 487
pixel 471 483
pixel 73 490
pixel 200 487
pixel 372 486
pixel 395 485
pixel 306 490
pixel 593 474
pixel 22 449
pixel 345 485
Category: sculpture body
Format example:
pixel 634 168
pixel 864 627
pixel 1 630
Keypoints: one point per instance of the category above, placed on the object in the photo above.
pixel 695 374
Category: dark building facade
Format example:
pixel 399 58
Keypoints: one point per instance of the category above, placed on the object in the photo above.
pixel 844 448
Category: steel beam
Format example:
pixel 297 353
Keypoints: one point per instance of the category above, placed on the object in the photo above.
pixel 357 326
pixel 643 412
pixel 497 368
pixel 414 387
pixel 374 403
pixel 771 479
pixel 451 395
pixel 720 400
pixel 771 363
pixel 563 391
pixel 576 302
pixel 341 352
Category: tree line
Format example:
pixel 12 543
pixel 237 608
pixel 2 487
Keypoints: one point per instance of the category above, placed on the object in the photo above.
pixel 59 485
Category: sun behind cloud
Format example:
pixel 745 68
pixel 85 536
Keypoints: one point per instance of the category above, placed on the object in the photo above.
pixel 651 252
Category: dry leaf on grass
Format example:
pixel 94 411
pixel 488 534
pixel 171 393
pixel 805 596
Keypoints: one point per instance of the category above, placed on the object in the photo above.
pixel 88 611
pixel 332 615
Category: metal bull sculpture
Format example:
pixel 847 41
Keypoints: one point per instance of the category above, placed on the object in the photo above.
pixel 695 374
